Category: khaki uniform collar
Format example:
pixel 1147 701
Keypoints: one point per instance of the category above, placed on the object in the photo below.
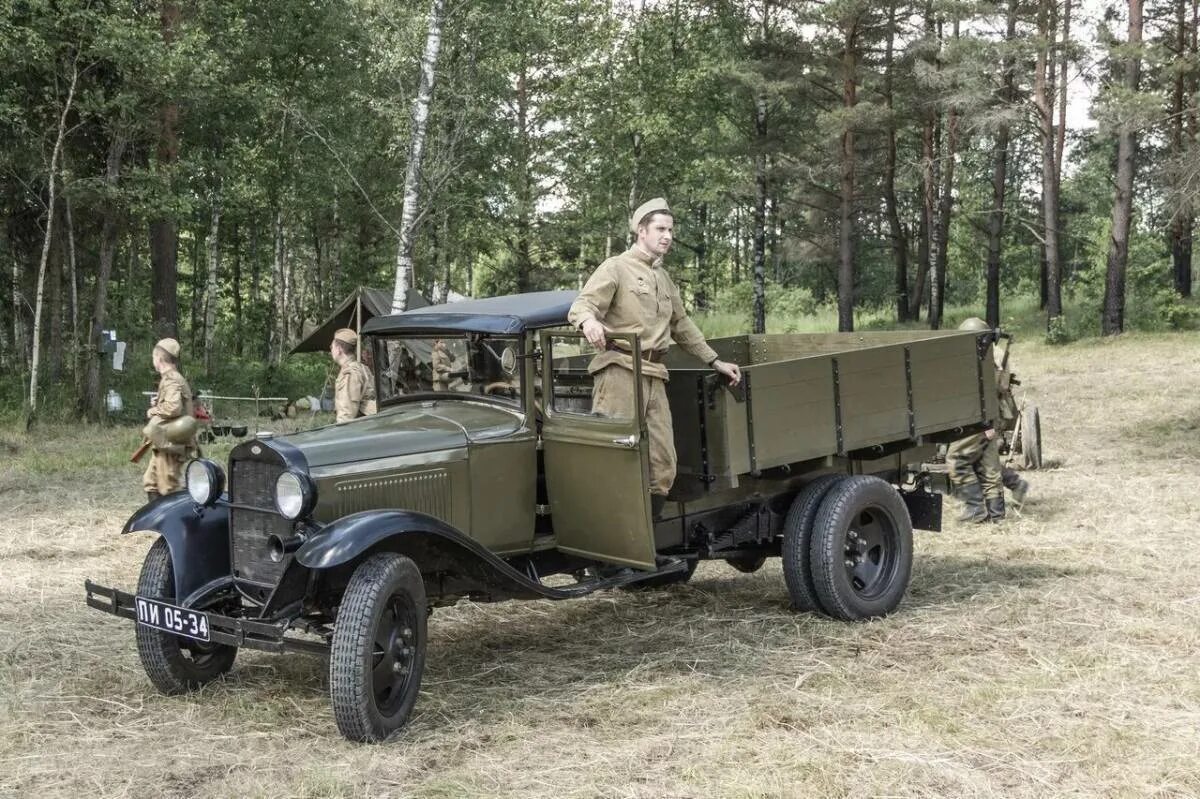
pixel 642 257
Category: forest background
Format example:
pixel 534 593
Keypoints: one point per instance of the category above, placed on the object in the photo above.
pixel 225 172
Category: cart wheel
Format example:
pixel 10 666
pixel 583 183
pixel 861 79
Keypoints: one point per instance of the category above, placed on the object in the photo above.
pixel 175 665
pixel 861 549
pixel 378 650
pixel 747 564
pixel 797 533
pixel 1031 438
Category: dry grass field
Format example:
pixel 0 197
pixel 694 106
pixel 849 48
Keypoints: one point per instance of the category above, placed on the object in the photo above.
pixel 1055 655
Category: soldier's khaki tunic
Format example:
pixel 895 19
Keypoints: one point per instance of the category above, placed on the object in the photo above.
pixel 354 392
pixel 164 473
pixel 632 293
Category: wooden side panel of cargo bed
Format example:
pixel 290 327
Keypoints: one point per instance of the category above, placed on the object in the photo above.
pixel 791 412
pixel 946 377
pixel 874 396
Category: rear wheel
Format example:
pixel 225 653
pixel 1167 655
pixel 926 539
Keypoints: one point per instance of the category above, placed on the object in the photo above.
pixel 861 549
pixel 1031 438
pixel 378 650
pixel 797 533
pixel 175 665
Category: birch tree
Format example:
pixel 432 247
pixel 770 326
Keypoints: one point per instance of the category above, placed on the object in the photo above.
pixel 52 174
pixel 416 147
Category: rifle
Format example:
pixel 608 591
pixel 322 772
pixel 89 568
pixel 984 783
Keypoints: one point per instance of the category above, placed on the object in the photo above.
pixel 140 452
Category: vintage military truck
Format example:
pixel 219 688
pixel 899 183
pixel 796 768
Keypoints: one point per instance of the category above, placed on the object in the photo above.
pixel 486 475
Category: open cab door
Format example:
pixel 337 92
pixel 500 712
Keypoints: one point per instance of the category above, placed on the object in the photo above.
pixel 597 465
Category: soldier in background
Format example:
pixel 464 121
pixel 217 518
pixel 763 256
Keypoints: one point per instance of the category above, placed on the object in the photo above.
pixel 632 293
pixel 354 392
pixel 976 472
pixel 164 473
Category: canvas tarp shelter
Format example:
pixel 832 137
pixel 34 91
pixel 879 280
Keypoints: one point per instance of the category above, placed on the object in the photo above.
pixel 353 312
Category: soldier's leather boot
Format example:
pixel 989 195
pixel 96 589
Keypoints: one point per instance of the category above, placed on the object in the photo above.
pixel 972 500
pixel 657 503
pixel 995 509
pixel 152 495
pixel 1019 492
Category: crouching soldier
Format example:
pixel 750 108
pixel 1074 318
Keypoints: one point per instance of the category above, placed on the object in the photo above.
pixel 172 427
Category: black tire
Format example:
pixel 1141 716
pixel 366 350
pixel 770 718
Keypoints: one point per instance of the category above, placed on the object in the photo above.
pixel 1031 438
pixel 175 665
pixel 378 650
pixel 797 532
pixel 861 549
pixel 747 564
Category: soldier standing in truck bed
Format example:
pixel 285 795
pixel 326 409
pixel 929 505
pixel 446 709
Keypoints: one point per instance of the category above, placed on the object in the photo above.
pixel 164 473
pixel 354 392
pixel 632 293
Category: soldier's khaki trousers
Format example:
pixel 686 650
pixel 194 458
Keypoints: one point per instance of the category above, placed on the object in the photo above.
pixel 613 395
pixel 975 458
pixel 164 473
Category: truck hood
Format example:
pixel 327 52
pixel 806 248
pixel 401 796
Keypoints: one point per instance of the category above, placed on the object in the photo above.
pixel 404 430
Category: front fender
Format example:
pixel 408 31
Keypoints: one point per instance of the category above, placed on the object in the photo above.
pixel 434 546
pixel 197 535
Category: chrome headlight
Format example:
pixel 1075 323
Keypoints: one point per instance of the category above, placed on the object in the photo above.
pixel 295 495
pixel 205 481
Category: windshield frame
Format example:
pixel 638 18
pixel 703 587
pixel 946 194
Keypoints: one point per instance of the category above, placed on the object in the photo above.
pixel 387 396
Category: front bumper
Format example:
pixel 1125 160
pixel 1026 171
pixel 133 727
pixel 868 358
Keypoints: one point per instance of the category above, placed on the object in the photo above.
pixel 249 633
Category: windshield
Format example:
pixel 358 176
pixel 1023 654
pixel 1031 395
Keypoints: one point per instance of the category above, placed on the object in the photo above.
pixel 459 363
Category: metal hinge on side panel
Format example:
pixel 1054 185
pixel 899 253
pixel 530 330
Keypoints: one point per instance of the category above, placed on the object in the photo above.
pixel 837 406
pixel 912 415
pixel 541 510
pixel 750 424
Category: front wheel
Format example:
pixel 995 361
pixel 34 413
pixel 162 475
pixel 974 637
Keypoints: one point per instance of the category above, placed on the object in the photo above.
pixel 378 650
pixel 861 550
pixel 175 665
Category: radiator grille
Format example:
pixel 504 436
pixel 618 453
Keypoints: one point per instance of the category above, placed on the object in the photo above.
pixel 426 492
pixel 252 483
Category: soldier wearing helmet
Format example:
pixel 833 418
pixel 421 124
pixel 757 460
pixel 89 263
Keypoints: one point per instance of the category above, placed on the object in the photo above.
pixel 164 473
pixel 976 473
pixel 354 392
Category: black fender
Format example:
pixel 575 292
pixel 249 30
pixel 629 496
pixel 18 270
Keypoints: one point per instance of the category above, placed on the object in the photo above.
pixel 434 545
pixel 197 535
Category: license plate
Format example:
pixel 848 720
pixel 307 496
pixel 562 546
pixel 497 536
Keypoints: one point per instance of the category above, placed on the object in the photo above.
pixel 172 619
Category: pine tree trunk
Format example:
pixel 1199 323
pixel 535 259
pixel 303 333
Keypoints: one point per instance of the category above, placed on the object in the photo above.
pixel 846 222
pixel 700 289
pixel 164 234
pixel 760 212
pixel 1000 176
pixel 279 290
pixel 238 331
pixel 52 173
pixel 416 147
pixel 1044 103
pixel 91 399
pixel 937 286
pixel 896 233
pixel 211 295
pixel 1112 321
pixel 73 289
pixel 1183 216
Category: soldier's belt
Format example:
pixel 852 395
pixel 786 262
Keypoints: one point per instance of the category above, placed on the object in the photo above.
pixel 650 356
